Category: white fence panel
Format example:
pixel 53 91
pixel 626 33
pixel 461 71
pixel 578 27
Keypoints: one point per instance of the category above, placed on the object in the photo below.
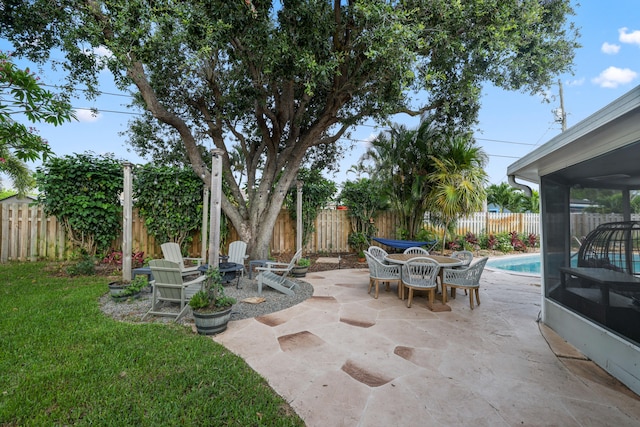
pixel 495 223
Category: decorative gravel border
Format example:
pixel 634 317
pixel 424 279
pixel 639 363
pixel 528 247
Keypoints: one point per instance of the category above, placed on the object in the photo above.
pixel 134 309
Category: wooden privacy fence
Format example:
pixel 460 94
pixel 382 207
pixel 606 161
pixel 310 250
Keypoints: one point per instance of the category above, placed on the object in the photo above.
pixel 26 234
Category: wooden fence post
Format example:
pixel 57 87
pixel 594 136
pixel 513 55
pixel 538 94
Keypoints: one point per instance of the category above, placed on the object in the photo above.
pixel 127 224
pixel 216 208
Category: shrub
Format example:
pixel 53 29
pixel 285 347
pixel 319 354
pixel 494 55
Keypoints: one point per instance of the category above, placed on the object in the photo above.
pixel 471 239
pixel 516 242
pixel 453 245
pixel 115 258
pixel 86 266
pixel 304 262
pixel 358 241
pixel 503 243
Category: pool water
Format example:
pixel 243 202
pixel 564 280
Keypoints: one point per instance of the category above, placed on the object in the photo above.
pixel 521 264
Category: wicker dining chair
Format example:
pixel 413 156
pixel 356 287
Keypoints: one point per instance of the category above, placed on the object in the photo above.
pixel 378 253
pixel 420 274
pixel 416 250
pixel 379 272
pixel 464 256
pixel 467 278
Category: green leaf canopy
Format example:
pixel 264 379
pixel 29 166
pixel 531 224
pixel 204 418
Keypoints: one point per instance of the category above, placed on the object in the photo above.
pixel 277 79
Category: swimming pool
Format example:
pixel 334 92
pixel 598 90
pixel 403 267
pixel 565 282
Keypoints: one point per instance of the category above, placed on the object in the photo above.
pixel 529 264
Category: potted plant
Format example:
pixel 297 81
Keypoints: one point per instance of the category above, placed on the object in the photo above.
pixel 211 307
pixel 122 291
pixel 301 267
pixel 358 242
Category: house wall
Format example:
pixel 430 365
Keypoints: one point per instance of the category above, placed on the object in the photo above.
pixel 619 357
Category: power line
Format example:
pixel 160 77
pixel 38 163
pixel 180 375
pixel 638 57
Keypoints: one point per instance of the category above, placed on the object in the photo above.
pixel 506 157
pixel 505 142
pixel 108 111
pixel 82 90
pixel 478 139
pixel 345 138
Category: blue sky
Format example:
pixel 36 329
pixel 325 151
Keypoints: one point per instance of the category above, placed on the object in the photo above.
pixel 511 124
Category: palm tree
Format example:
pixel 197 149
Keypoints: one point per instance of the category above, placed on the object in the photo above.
pixel 402 162
pixel 458 181
pixel 17 171
pixel 500 195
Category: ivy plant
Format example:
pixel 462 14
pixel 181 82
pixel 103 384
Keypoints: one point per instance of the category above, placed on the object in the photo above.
pixel 170 201
pixel 83 193
pixel 364 200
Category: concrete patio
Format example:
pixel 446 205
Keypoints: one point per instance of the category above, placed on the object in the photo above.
pixel 343 358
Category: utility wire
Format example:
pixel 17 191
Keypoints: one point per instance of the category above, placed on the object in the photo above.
pixel 98 92
pixel 108 111
pixel 345 138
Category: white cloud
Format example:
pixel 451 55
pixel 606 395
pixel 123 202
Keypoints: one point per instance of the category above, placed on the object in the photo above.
pixel 632 37
pixel 366 144
pixel 87 116
pixel 100 55
pixel 102 51
pixel 610 49
pixel 612 77
pixel 575 82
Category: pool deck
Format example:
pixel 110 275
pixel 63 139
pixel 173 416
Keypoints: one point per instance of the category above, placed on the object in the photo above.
pixel 343 358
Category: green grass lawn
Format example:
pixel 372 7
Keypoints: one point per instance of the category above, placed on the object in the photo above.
pixel 62 361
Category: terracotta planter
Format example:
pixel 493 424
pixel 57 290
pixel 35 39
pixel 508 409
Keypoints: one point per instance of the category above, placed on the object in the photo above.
pixel 212 323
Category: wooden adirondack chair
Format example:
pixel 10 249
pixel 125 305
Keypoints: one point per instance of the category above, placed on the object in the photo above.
pixel 274 275
pixel 171 252
pixel 238 253
pixel 169 286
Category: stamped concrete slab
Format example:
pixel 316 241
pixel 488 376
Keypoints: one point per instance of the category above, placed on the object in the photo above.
pixel 343 358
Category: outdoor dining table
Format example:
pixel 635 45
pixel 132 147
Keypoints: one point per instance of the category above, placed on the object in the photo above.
pixel 442 261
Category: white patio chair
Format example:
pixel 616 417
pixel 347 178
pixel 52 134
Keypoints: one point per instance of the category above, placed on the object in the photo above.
pixel 379 272
pixel 467 278
pixel 420 274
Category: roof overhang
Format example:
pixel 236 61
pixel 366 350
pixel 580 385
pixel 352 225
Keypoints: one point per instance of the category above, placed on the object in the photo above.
pixel 603 149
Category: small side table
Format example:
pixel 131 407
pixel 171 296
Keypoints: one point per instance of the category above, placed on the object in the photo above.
pixel 145 271
pixel 256 263
pixel 228 270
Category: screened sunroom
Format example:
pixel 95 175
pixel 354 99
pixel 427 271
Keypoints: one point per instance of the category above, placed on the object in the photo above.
pixel 591 256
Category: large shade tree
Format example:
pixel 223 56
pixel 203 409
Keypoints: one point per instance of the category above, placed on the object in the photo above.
pixel 280 79
pixel 22 97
